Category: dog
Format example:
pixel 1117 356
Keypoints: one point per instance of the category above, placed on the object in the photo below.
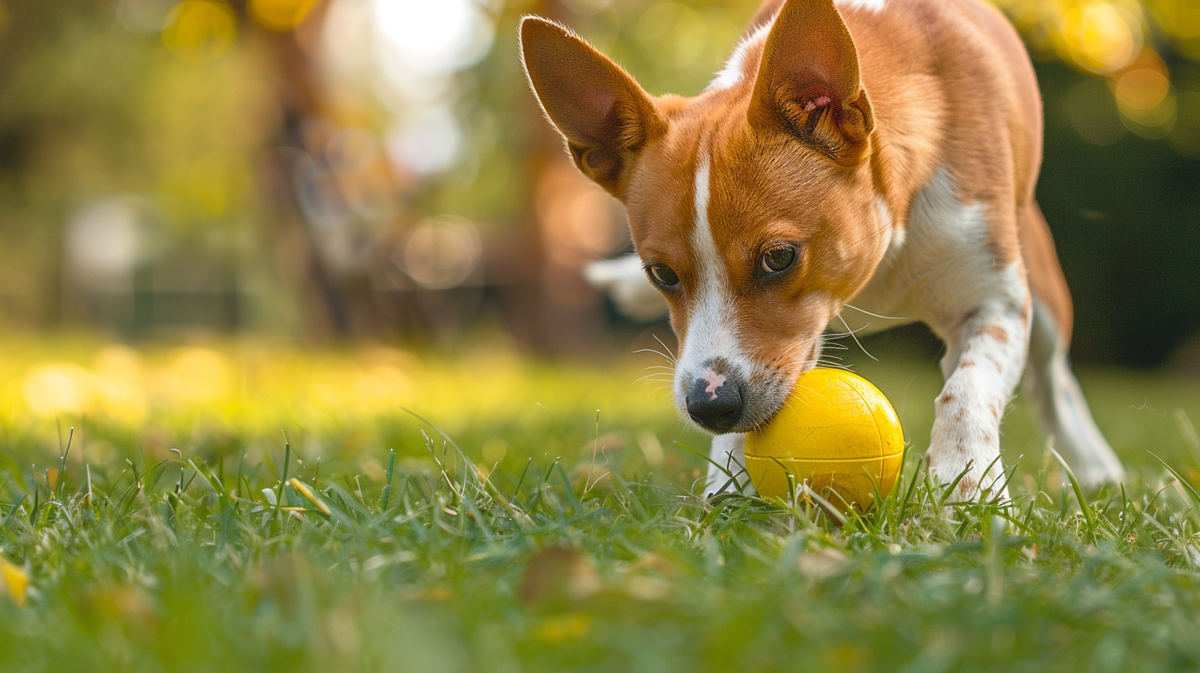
pixel 856 164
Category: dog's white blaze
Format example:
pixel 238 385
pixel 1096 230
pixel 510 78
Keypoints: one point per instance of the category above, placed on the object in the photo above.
pixel 735 67
pixel 873 5
pixel 712 323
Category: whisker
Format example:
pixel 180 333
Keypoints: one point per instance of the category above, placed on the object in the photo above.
pixel 670 355
pixel 855 337
pixel 875 315
pixel 652 378
pixel 654 351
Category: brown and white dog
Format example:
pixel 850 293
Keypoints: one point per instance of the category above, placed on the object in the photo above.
pixel 853 160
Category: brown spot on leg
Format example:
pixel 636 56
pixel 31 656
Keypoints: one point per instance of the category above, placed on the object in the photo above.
pixel 946 398
pixel 966 364
pixel 966 487
pixel 995 331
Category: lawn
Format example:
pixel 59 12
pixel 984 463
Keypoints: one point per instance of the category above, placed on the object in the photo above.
pixel 249 507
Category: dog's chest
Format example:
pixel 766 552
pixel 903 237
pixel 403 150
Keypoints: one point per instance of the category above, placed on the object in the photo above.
pixel 935 267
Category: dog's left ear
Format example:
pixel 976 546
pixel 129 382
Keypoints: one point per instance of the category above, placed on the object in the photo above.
pixel 808 83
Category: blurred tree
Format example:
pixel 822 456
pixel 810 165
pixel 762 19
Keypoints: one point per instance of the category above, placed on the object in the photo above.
pixel 91 111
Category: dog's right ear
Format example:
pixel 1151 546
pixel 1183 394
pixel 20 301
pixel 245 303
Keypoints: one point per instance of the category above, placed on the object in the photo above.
pixel 808 83
pixel 598 107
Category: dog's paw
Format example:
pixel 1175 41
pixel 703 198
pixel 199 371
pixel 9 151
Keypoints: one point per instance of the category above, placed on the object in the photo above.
pixel 1094 475
pixel 720 485
pixel 975 475
pixel 723 486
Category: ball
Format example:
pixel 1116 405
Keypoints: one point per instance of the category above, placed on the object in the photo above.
pixel 836 433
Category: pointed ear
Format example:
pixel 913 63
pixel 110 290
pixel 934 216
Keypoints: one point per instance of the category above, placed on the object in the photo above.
pixel 602 112
pixel 808 83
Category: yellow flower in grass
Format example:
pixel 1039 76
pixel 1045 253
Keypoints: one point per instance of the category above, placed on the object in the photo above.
pixel 13 581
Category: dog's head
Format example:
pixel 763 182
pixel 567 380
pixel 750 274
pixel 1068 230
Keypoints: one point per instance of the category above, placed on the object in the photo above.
pixel 752 206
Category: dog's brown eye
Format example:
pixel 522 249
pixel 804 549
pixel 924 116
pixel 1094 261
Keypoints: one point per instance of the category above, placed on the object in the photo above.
pixel 779 259
pixel 663 275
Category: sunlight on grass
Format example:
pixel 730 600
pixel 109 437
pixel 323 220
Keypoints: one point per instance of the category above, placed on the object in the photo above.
pixel 235 398
pixel 255 387
pixel 347 406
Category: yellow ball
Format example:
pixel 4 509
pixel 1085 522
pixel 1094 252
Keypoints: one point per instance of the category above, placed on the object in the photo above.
pixel 837 433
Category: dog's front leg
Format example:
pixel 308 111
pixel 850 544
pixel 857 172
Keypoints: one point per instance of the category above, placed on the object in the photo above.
pixel 727 471
pixel 985 360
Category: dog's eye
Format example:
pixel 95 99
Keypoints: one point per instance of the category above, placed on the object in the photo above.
pixel 663 275
pixel 778 259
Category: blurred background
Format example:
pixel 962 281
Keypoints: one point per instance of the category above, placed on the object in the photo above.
pixel 338 171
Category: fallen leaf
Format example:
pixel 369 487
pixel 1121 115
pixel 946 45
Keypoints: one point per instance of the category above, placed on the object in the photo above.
pixel 557 576
pixel 13 581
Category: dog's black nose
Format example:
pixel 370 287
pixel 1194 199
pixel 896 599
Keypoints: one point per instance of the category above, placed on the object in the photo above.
pixel 714 403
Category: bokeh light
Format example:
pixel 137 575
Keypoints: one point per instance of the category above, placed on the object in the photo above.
pixel 103 241
pixel 119 384
pixel 1099 36
pixel 433 37
pixel 200 30
pixel 1108 38
pixel 1142 89
pixel 1181 21
pixel 143 16
pixel 195 376
pixel 427 142
pixel 280 15
pixel 671 24
pixel 442 253
pixel 57 388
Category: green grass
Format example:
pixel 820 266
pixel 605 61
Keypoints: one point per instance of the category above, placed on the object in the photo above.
pixel 584 548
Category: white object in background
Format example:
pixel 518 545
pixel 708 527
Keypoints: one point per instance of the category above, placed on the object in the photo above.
pixel 625 282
